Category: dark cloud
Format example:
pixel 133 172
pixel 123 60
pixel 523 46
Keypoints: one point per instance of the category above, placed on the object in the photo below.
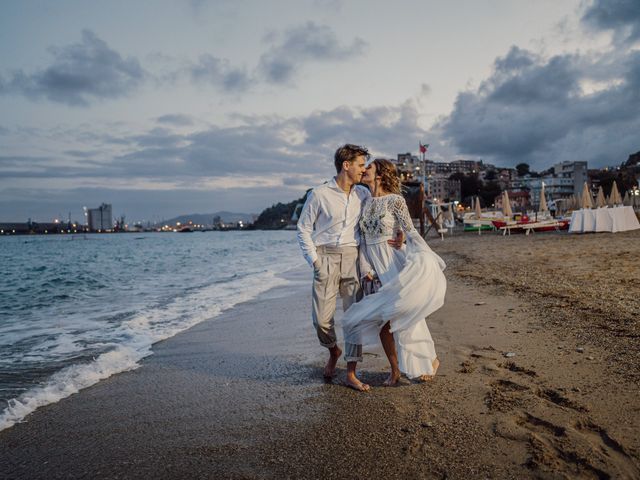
pixel 298 147
pixel 515 59
pixel 385 130
pixel 221 73
pixel 176 120
pixel 622 17
pixel 536 110
pixel 79 74
pixel 291 153
pixel 306 43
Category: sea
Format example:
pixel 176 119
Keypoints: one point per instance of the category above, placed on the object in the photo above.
pixel 76 309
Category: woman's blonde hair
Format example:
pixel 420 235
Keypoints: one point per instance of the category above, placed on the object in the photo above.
pixel 388 175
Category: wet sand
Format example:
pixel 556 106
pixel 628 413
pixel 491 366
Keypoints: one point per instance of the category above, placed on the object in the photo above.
pixel 241 396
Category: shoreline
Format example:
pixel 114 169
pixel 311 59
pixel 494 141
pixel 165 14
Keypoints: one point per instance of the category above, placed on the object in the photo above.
pixel 126 355
pixel 242 396
pixel 200 390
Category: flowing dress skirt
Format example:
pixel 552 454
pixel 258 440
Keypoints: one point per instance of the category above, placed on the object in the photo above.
pixel 413 287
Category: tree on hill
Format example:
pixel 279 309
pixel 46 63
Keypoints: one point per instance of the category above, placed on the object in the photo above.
pixel 277 216
pixel 523 169
pixel 634 159
pixel 470 185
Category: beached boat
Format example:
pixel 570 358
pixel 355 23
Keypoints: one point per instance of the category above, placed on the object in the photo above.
pixel 526 225
pixel 485 222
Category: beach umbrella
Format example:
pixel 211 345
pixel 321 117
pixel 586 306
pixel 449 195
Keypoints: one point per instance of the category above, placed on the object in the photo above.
pixel 627 199
pixel 543 201
pixel 507 212
pixel 616 199
pixel 587 201
pixel 477 209
pixel 600 200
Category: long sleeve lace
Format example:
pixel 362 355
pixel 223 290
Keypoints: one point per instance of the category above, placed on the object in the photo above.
pixel 400 211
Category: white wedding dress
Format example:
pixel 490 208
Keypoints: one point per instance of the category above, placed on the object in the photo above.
pixel 413 286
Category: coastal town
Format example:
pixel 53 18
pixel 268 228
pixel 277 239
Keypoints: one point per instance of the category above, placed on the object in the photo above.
pixel 456 185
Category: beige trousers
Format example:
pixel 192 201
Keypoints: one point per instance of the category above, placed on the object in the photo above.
pixel 338 273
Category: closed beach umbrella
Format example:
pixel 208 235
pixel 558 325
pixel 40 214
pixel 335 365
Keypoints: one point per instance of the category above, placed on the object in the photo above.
pixel 543 201
pixel 587 201
pixel 627 199
pixel 478 211
pixel 616 199
pixel 600 201
pixel 507 205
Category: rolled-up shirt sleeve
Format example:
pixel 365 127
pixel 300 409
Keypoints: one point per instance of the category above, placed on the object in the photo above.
pixel 307 219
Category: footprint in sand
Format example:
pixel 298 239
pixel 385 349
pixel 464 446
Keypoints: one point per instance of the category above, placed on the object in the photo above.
pixel 561 439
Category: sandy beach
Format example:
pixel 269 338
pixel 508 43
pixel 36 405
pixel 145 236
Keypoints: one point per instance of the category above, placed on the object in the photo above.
pixel 538 342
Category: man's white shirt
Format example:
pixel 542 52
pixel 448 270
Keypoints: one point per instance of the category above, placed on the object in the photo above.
pixel 330 217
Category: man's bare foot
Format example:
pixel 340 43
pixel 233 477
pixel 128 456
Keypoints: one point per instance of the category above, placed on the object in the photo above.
pixel 428 378
pixel 392 379
pixel 330 367
pixel 353 382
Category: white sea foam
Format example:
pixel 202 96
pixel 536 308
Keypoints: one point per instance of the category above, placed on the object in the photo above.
pixel 134 340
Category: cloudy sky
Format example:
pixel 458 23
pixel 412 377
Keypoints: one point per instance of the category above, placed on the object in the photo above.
pixel 166 107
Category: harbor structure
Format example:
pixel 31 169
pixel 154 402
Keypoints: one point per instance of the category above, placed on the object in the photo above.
pixel 100 219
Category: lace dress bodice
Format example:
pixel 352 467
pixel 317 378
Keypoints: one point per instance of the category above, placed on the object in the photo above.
pixel 383 216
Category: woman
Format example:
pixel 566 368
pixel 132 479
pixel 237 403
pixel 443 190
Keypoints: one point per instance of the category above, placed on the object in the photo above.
pixel 411 283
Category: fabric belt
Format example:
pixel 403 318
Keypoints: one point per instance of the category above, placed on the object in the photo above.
pixel 336 248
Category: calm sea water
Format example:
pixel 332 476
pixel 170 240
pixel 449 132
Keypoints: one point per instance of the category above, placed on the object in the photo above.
pixel 75 310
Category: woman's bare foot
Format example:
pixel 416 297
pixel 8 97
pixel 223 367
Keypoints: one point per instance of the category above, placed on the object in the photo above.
pixel 392 379
pixel 330 367
pixel 353 382
pixel 428 378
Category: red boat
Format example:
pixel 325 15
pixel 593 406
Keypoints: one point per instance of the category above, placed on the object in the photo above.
pixel 527 225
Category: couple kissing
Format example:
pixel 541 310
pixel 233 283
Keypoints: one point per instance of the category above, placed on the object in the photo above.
pixel 353 236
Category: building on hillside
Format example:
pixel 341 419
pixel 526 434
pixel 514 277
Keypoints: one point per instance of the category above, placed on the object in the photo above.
pixel 506 177
pixel 441 188
pixel 100 219
pixel 563 180
pixel 465 166
pixel 409 166
pixel 576 171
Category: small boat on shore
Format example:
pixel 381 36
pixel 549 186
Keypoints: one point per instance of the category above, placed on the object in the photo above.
pixel 527 225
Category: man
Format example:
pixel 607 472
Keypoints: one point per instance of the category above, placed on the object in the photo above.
pixel 329 235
